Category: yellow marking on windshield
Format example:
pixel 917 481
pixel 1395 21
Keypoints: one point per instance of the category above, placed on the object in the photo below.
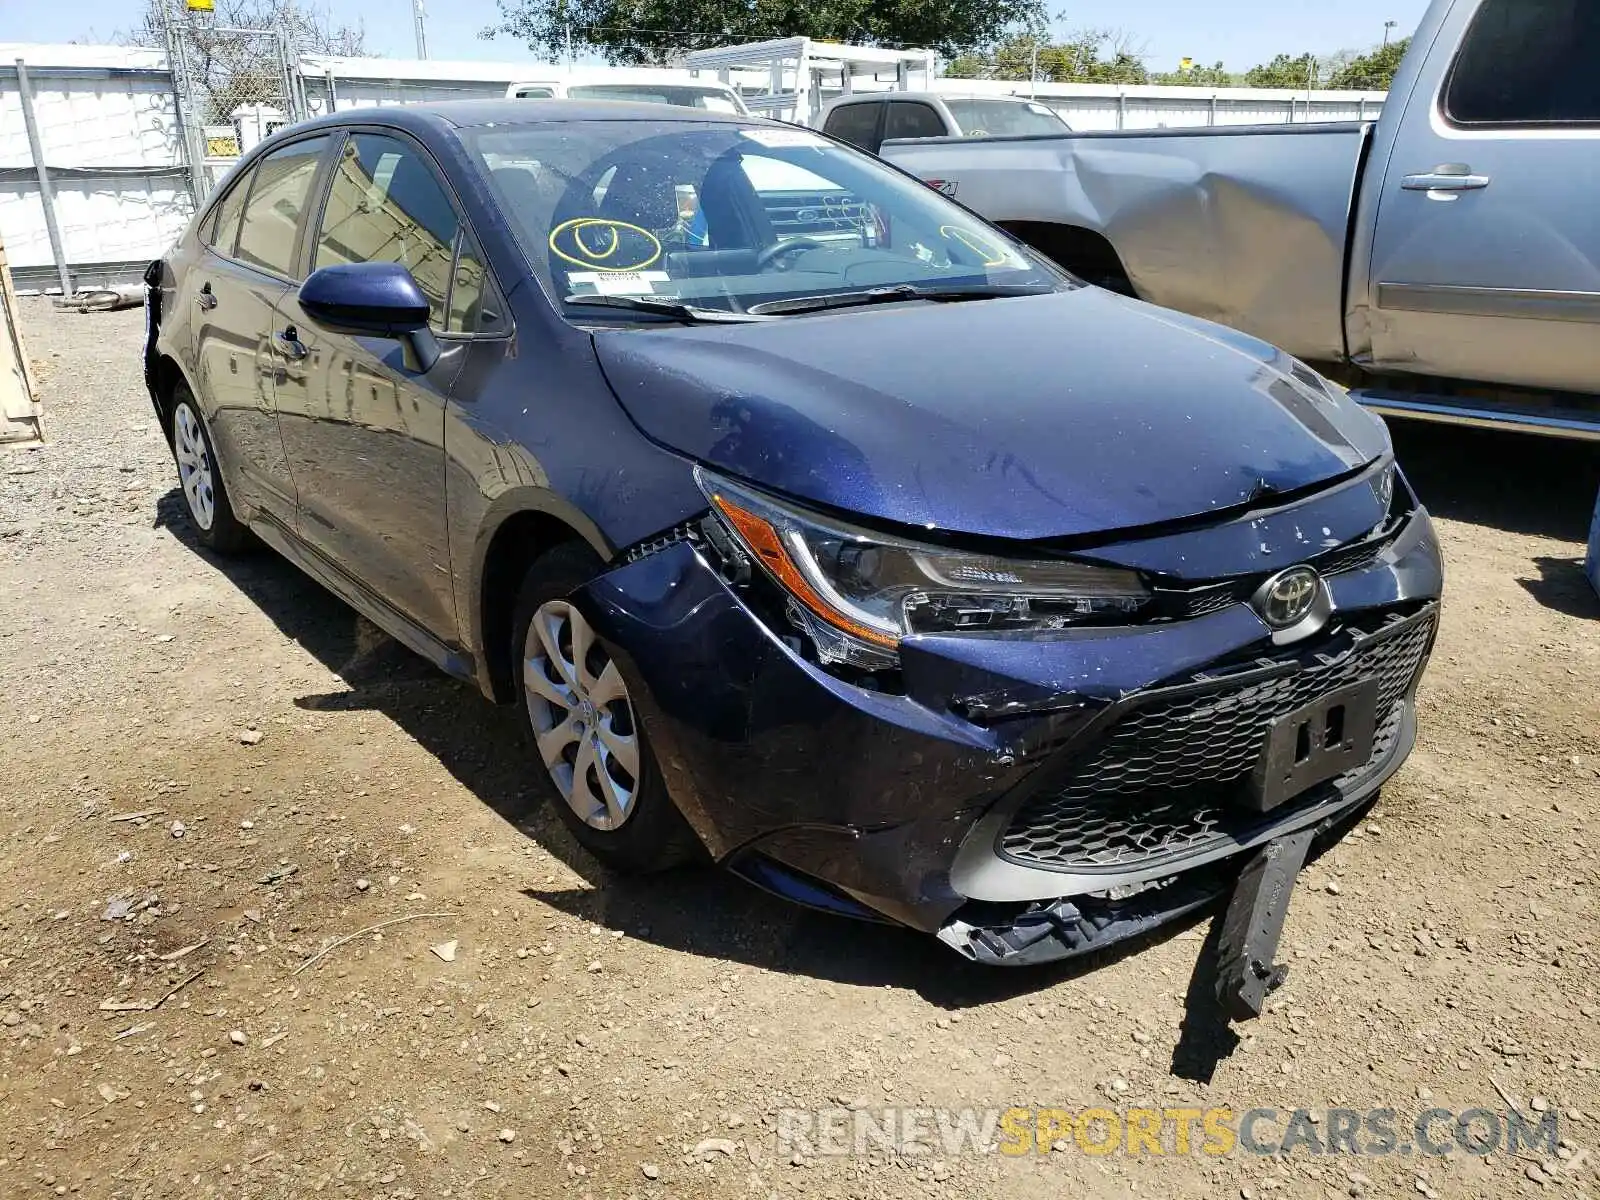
pixel 593 259
pixel 991 255
pixel 616 240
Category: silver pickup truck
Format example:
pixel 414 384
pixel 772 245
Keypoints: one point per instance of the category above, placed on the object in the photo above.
pixel 1443 262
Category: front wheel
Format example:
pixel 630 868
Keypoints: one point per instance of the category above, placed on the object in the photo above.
pixel 210 511
pixel 585 727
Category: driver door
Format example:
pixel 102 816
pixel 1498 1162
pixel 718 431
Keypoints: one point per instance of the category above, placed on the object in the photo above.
pixel 363 428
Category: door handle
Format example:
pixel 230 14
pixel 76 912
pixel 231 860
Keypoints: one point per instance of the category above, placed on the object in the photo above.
pixel 206 299
pixel 1447 177
pixel 287 343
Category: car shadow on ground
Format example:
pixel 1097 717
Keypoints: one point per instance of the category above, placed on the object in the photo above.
pixel 1507 481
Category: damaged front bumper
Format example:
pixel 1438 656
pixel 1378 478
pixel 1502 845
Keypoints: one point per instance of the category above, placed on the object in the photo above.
pixel 1024 798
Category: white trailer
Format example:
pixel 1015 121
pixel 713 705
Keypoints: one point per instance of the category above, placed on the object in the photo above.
pixel 795 76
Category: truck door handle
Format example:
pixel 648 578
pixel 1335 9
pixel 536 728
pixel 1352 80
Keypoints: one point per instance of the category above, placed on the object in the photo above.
pixel 1449 177
pixel 206 299
pixel 287 343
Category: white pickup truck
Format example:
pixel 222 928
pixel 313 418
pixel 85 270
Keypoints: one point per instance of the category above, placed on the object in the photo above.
pixel 869 119
pixel 1443 263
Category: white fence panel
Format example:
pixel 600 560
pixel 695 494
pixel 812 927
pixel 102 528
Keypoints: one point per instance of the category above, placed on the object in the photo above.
pixel 108 128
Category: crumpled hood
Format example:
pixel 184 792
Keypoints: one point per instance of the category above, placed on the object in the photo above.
pixel 1031 418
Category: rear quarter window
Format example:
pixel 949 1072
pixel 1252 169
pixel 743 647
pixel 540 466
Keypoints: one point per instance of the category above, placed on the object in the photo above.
pixel 1530 63
pixel 222 230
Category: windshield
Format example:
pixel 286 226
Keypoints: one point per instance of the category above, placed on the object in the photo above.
pixel 710 99
pixel 729 217
pixel 1005 118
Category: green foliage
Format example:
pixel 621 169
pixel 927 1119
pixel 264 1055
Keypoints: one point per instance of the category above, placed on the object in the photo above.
pixel 662 31
pixel 1284 72
pixel 1372 72
pixel 968 66
pixel 1095 56
pixel 1197 76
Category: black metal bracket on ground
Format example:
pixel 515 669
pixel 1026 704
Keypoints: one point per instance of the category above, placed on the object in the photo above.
pixel 1253 924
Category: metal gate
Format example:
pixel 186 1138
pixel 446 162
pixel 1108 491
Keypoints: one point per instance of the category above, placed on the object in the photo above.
pixel 233 86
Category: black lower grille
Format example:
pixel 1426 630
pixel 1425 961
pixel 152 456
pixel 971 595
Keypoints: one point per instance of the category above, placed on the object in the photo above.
pixel 1163 780
pixel 1357 556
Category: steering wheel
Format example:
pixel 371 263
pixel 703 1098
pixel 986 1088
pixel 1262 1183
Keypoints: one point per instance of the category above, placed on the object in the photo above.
pixel 793 246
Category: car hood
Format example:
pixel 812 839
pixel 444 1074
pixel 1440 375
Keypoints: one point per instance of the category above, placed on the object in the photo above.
pixel 1032 418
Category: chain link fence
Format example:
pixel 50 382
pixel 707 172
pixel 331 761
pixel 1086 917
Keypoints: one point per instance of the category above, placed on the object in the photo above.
pixel 234 87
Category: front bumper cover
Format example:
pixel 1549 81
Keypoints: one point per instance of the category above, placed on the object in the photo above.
pixel 888 805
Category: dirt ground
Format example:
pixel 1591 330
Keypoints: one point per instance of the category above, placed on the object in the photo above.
pixel 600 1037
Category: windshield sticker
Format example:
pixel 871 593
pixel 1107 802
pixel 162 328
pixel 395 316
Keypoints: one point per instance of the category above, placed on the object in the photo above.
pixel 775 139
pixel 616 283
pixel 599 244
pixel 991 254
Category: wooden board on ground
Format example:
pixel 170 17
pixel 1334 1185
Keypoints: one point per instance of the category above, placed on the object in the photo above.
pixel 20 412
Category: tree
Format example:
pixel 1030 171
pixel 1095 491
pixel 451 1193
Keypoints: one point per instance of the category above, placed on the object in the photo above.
pixel 1093 56
pixel 1284 72
pixel 229 68
pixel 662 31
pixel 1197 76
pixel 1373 72
pixel 969 66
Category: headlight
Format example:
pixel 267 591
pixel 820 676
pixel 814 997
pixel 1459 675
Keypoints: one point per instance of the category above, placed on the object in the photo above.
pixel 857 593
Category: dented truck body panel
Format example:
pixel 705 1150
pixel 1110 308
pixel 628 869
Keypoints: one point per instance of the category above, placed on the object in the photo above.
pixel 1246 227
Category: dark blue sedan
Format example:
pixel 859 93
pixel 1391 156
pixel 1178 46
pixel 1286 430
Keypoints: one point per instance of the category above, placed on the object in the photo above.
pixel 816 526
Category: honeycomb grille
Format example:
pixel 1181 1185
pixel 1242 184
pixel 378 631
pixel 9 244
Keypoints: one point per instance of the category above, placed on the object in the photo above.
pixel 1162 782
pixel 1357 556
pixel 1204 603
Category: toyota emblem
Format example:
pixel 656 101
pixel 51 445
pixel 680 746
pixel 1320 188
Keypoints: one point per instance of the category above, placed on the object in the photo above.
pixel 1288 597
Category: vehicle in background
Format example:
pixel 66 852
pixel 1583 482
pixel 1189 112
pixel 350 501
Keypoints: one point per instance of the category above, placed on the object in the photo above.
pixel 708 95
pixel 1443 263
pixel 869 119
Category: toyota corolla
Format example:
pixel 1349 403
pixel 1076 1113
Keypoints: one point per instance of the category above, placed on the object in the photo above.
pixel 816 527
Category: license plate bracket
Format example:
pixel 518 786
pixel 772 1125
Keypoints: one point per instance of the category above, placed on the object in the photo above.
pixel 1315 743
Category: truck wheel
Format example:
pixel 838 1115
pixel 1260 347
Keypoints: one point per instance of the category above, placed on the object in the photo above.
pixel 204 494
pixel 584 726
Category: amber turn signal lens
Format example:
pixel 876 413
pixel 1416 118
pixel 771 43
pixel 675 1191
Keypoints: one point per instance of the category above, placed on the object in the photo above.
pixel 763 539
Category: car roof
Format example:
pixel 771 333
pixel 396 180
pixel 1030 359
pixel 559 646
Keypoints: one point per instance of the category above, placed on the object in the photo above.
pixel 466 114
pixel 865 97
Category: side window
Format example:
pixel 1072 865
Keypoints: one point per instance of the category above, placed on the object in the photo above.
pixel 278 195
pixel 473 307
pixel 224 231
pixel 856 124
pixel 912 119
pixel 1528 62
pixel 386 205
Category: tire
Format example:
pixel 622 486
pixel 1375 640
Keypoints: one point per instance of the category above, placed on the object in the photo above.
pixel 205 497
pixel 587 740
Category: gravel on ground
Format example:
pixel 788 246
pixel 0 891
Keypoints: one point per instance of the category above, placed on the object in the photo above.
pixel 212 773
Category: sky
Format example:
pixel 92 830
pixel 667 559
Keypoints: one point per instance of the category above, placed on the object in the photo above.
pixel 1240 33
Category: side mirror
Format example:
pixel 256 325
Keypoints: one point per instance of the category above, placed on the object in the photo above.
pixel 377 299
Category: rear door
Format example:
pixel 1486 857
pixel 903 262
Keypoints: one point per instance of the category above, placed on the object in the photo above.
pixel 363 428
pixel 233 291
pixel 860 123
pixel 1486 255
